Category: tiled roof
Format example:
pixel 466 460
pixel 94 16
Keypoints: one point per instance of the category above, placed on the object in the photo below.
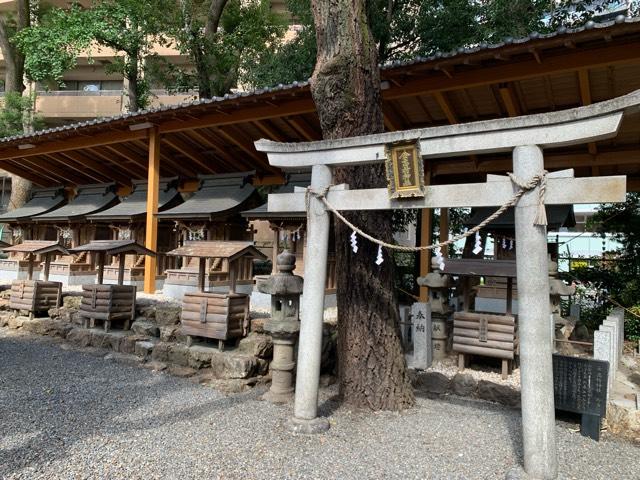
pixel 90 199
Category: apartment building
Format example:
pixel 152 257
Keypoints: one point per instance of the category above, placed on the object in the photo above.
pixel 89 91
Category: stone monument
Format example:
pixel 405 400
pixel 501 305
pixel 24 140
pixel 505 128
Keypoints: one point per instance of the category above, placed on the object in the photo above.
pixel 284 325
pixel 439 285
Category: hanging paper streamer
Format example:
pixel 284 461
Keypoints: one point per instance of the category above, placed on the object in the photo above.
pixel 354 242
pixel 511 244
pixel 478 247
pixel 298 234
pixel 504 244
pixel 380 258
pixel 439 258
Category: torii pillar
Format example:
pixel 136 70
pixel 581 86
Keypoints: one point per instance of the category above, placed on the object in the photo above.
pixel 525 137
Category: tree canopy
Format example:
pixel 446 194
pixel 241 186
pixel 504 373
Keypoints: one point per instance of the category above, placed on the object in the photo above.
pixel 408 28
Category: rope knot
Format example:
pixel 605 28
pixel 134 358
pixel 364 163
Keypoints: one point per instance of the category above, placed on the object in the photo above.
pixel 538 179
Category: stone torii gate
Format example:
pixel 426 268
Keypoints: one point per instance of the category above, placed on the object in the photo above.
pixel 526 137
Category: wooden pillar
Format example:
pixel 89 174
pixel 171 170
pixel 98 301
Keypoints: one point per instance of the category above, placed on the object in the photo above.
pixel 151 240
pixel 233 273
pixel 201 268
pixel 101 259
pixel 444 229
pixel 426 238
pixel 47 266
pixel 30 267
pixel 121 269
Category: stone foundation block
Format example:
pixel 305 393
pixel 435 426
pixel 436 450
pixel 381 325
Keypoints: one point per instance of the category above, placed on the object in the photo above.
pixel 167 315
pixel 494 392
pixel 16 322
pixel 145 327
pixel 161 352
pixel 464 385
pixel 256 344
pixel 432 383
pixel 144 349
pixel 80 337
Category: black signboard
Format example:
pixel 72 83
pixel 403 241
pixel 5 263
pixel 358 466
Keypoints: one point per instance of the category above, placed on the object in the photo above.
pixel 580 386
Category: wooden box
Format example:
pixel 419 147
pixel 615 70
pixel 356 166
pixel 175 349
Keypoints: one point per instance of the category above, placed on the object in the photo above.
pixel 221 316
pixel 484 334
pixel 35 295
pixel 107 303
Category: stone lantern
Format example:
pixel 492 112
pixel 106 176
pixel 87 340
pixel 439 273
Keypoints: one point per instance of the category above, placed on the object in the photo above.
pixel 284 325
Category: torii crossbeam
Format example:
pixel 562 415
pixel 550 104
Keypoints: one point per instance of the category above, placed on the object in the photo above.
pixel 526 137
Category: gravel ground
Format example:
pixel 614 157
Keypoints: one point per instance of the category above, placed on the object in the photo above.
pixel 70 414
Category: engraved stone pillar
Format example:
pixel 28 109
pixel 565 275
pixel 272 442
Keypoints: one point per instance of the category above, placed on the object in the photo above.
pixel 284 325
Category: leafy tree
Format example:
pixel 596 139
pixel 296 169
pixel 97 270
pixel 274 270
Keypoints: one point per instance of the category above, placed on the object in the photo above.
pixel 14 109
pixel 131 28
pixel 222 37
pixel 407 28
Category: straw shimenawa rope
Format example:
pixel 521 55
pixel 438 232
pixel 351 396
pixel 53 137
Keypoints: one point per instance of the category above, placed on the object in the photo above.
pixel 541 217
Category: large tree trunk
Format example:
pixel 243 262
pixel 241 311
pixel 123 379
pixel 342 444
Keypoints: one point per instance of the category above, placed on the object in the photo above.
pixel 346 90
pixel 14 82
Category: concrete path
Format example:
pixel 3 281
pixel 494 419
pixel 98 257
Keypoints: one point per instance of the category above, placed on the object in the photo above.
pixel 68 414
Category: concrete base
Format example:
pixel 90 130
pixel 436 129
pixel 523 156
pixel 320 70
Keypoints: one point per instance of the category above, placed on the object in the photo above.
pixel 301 425
pixel 7 276
pixel 74 279
pixel 138 283
pixel 278 398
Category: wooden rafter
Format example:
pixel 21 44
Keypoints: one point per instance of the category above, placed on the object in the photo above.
pixel 246 145
pixel 48 172
pixel 222 157
pixel 302 127
pixel 111 159
pixel 39 180
pixel 509 100
pixel 569 62
pixel 111 172
pixel 445 106
pixel 188 151
pixel 167 161
pixel 270 131
pixel 585 97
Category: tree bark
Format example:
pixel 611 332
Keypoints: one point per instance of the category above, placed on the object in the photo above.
pixel 346 90
pixel 14 82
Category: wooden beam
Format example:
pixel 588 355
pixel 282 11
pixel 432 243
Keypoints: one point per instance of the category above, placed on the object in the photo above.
pixel 267 128
pixel 171 166
pixel 74 143
pixel 445 106
pixel 585 97
pixel 569 62
pixel 509 101
pixel 153 188
pixel 303 128
pixel 426 237
pixel 245 145
pixel 136 171
pixel 225 160
pixel 61 168
pixel 191 153
pixel 39 180
pixel 110 173
pixel 444 230
pixel 263 112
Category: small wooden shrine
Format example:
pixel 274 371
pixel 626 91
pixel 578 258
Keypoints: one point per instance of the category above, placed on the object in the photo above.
pixel 22 228
pixel 107 302
pixel 480 333
pixel 211 213
pixel 218 315
pixel 36 296
pixel 491 295
pixel 276 232
pixel 72 227
pixel 126 221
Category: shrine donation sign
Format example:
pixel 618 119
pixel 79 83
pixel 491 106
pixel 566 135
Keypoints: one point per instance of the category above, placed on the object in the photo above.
pixel 405 170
